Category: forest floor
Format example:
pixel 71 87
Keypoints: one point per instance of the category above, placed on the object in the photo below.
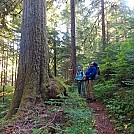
pixel 46 117
pixel 102 122
pixel 51 118
pixel 41 119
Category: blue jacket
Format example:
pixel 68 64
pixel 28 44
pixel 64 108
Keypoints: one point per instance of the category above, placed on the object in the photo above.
pixel 91 72
pixel 79 75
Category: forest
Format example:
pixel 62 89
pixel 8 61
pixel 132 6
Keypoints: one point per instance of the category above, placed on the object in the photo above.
pixel 42 42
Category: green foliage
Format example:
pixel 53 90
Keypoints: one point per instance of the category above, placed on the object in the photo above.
pixel 7 99
pixel 81 122
pixel 121 106
pixel 117 62
pixel 105 89
pixel 40 131
pixel 115 88
pixel 61 83
pixel 80 117
pixel 8 89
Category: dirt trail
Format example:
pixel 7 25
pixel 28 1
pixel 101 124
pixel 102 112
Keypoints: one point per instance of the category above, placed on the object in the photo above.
pixel 103 123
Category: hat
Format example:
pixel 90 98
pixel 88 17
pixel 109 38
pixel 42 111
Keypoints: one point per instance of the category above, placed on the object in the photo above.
pixel 78 67
pixel 94 63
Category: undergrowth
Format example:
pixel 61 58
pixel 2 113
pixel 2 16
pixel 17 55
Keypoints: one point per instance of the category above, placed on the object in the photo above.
pixel 5 100
pixel 78 117
pixel 120 104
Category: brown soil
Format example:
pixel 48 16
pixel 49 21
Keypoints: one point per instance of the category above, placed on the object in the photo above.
pixel 45 117
pixel 102 122
pixel 41 117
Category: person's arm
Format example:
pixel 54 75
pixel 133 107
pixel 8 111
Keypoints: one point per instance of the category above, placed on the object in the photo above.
pixel 87 72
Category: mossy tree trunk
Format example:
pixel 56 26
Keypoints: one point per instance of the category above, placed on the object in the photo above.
pixel 33 60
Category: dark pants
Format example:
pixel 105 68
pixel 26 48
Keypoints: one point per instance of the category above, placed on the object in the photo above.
pixel 81 88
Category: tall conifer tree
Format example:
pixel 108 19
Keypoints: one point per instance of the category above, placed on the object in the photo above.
pixel 33 59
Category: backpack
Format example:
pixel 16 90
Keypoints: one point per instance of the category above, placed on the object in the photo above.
pixel 81 72
pixel 97 75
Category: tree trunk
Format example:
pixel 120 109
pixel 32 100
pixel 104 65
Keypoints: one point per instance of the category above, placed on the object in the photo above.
pixel 107 32
pixel 33 59
pixel 73 46
pixel 54 45
pixel 103 26
pixel 2 66
pixel 16 65
pixel 5 70
pixel 12 83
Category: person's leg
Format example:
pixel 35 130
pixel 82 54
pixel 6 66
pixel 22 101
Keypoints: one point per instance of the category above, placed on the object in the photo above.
pixel 91 94
pixel 82 88
pixel 88 89
pixel 79 87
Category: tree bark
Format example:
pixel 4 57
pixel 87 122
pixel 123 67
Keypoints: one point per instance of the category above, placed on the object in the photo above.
pixel 33 59
pixel 103 26
pixel 12 66
pixel 2 66
pixel 54 45
pixel 73 45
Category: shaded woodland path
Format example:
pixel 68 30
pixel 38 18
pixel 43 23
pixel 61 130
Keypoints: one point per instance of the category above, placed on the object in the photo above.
pixel 102 122
pixel 45 119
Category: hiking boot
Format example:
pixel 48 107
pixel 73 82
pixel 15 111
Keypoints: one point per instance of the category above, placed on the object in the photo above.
pixel 92 100
pixel 89 98
pixel 83 95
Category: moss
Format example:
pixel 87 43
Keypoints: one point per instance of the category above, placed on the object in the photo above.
pixel 60 84
pixel 53 87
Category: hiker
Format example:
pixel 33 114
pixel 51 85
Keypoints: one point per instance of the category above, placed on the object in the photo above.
pixel 80 82
pixel 89 77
